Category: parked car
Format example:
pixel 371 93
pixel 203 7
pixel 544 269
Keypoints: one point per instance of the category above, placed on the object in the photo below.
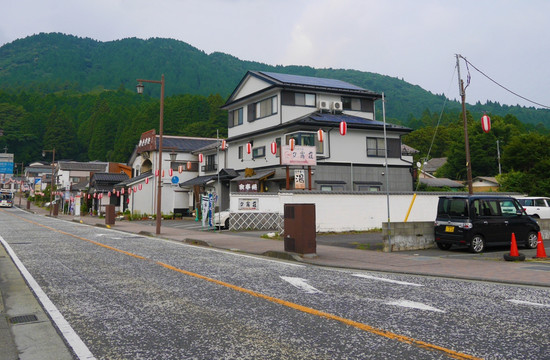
pixel 222 218
pixel 537 207
pixel 478 221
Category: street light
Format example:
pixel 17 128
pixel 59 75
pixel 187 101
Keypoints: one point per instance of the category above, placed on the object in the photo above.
pixel 53 168
pixel 139 89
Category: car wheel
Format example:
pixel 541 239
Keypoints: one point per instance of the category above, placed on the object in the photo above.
pixel 477 244
pixel 442 246
pixel 532 240
pixel 226 224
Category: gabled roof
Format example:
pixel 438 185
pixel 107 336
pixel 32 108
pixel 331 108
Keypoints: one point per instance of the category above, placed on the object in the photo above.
pixel 225 174
pixel 83 166
pixel 104 182
pixel 183 143
pixel 432 165
pixel 134 180
pixel 304 83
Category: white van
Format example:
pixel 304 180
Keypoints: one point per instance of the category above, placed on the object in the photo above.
pixel 537 207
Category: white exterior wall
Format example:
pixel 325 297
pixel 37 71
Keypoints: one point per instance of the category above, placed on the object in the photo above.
pixel 348 212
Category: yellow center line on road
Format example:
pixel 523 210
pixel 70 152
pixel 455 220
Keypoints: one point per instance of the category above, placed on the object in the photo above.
pixel 387 334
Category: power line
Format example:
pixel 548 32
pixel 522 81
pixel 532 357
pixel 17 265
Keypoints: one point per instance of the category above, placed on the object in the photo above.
pixel 502 86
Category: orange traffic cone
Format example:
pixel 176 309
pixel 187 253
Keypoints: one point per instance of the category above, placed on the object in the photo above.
pixel 514 254
pixel 541 252
pixel 514 247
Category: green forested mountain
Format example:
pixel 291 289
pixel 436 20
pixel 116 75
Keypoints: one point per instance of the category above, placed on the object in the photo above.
pixel 53 62
pixel 78 96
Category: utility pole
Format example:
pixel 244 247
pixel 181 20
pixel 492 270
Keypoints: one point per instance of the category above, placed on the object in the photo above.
pixel 465 120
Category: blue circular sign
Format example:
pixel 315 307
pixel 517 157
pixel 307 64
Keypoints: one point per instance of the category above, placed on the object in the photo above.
pixel 175 180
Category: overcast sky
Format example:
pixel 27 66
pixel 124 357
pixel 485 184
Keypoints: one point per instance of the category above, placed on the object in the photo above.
pixel 413 40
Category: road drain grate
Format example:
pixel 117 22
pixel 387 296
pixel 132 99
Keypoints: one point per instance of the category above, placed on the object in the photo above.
pixel 23 319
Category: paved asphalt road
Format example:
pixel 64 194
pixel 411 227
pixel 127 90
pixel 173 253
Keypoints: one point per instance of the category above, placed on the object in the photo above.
pixel 128 296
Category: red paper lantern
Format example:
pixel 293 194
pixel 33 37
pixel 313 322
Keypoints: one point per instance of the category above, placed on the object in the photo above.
pixel 180 169
pixel 320 135
pixel 157 172
pixel 140 186
pixel 189 165
pixel 162 173
pixel 343 128
pixel 292 143
pixel 274 148
pixel 146 180
pixel 224 145
pixel 135 188
pixel 118 193
pixel 89 196
pixel 171 172
pixel 129 190
pixel 122 191
pixel 201 158
pixel 109 194
pixel 486 123
pixel 248 148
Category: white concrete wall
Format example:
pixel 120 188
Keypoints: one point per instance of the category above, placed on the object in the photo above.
pixel 347 211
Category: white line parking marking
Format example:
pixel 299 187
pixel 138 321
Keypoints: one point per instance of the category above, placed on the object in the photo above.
pixel 386 280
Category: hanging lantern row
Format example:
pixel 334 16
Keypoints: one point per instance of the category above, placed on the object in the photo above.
pixel 486 123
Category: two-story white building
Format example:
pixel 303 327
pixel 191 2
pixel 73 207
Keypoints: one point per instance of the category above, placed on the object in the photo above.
pixel 292 134
pixel 269 108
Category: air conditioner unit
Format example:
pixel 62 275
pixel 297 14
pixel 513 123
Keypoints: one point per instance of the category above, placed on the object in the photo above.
pixel 324 105
pixel 337 106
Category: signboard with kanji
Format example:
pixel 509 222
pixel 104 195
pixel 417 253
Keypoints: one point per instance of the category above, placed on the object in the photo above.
pixel 248 186
pixel 147 142
pixel 301 155
pixel 248 204
pixel 299 179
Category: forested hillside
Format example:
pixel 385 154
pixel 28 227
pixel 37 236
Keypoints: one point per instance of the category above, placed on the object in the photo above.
pixel 55 62
pixel 78 96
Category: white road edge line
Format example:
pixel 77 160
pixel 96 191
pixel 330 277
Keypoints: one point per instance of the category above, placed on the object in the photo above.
pixel 72 338
pixel 386 280
pixel 301 284
pixel 521 302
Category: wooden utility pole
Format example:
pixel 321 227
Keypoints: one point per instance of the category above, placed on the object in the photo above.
pixel 465 120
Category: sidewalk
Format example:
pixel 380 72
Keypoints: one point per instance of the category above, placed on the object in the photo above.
pixel 531 272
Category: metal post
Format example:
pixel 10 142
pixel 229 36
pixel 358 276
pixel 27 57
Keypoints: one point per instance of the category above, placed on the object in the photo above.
pixel 161 132
pixel 387 174
pixel 498 157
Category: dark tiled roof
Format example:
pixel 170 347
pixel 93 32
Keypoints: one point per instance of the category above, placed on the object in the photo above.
pixel 134 179
pixel 288 79
pixel 333 119
pixel 184 144
pixel 83 166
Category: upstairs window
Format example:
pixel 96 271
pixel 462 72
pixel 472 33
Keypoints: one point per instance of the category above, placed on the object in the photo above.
pixel 301 99
pixel 357 104
pixel 306 139
pixel 375 147
pixel 235 117
pixel 261 109
pixel 258 152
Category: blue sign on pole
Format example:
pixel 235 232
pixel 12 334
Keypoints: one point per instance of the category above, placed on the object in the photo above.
pixel 6 167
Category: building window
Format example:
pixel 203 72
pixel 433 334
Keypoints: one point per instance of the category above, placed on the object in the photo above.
pixel 236 117
pixel 306 139
pixel 258 152
pixel 263 108
pixel 301 99
pixel 278 142
pixel 240 152
pixel 357 104
pixel 210 163
pixel 375 147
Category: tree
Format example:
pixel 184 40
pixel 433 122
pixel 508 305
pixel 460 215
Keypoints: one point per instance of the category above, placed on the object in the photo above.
pixel 60 135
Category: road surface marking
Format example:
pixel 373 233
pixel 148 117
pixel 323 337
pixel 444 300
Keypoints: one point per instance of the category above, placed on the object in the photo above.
pixel 414 305
pixel 521 302
pixel 370 329
pixel 74 341
pixel 386 280
pixel 301 284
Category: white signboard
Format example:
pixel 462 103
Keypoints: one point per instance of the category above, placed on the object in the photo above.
pixel 299 179
pixel 301 155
